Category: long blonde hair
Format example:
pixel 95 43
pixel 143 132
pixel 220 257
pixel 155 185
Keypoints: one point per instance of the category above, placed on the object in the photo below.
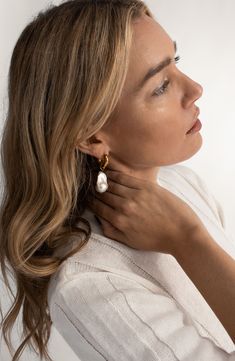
pixel 66 75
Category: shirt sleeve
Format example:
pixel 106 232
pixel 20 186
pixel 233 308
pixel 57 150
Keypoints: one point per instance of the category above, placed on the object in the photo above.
pixel 216 205
pixel 104 316
pixel 203 188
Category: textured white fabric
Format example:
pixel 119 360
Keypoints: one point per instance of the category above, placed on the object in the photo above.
pixel 112 302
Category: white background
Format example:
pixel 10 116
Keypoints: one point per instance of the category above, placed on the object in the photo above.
pixel 204 31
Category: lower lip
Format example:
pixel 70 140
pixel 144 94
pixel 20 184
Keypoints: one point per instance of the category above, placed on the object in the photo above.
pixel 197 126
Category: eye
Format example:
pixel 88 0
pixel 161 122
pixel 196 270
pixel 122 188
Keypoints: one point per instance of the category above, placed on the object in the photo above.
pixel 164 86
pixel 162 89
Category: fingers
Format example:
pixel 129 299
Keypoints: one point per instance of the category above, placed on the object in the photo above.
pixel 103 210
pixel 110 199
pixel 110 231
pixel 116 189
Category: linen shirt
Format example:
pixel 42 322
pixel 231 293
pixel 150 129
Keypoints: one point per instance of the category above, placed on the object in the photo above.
pixel 112 302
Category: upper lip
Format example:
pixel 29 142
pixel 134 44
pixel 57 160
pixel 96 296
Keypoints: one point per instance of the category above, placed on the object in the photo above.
pixel 195 118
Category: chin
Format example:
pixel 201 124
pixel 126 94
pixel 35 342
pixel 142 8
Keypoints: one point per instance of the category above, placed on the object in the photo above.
pixel 191 150
pixel 195 147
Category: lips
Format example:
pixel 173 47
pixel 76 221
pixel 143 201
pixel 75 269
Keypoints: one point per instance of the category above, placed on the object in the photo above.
pixel 194 121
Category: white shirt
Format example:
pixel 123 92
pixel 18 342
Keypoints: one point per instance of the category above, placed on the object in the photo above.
pixel 112 302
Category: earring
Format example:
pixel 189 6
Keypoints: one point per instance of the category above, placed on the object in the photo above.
pixel 102 183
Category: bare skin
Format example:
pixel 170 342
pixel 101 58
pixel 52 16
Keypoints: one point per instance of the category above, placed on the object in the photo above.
pixel 147 131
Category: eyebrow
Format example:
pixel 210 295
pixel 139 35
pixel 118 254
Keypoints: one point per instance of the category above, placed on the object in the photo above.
pixel 153 71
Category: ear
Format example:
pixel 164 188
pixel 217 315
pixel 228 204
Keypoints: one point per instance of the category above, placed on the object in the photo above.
pixel 95 146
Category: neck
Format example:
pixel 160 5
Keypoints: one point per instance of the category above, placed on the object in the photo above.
pixel 145 173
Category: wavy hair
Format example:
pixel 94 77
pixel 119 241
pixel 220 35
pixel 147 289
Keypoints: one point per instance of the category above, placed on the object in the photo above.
pixel 66 75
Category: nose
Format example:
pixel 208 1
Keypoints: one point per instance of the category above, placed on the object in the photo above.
pixel 192 91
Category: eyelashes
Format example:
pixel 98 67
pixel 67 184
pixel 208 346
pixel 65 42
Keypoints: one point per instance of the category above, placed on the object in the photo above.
pixel 163 88
pixel 177 59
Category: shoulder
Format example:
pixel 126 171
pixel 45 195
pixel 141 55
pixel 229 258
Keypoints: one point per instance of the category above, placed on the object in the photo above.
pixel 178 172
pixel 100 313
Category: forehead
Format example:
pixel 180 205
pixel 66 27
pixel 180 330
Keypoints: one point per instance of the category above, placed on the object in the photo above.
pixel 149 38
pixel 150 45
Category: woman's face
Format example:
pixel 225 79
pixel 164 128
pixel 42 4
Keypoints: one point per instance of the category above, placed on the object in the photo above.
pixel 149 125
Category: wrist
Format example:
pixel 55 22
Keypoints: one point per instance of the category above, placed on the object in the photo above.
pixel 189 240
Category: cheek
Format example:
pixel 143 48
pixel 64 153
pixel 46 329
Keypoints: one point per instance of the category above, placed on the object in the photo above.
pixel 146 133
pixel 129 126
pixel 143 138
pixel 161 128
pixel 130 137
pixel 162 138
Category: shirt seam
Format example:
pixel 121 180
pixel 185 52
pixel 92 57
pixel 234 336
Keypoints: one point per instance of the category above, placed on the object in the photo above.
pixel 61 309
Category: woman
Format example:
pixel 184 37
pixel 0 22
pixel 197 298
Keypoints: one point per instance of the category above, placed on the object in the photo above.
pixel 83 100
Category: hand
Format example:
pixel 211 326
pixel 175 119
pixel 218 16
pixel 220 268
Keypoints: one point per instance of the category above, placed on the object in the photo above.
pixel 143 215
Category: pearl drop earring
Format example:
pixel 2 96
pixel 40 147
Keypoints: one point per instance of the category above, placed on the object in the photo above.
pixel 102 183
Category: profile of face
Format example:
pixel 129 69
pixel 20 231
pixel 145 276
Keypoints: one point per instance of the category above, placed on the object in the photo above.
pixel 149 126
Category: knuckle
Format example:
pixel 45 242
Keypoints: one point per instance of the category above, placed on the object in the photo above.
pixel 119 222
pixel 122 207
pixel 128 207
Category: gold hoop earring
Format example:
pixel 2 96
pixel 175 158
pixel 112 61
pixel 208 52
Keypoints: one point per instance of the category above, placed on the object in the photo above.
pixel 102 182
